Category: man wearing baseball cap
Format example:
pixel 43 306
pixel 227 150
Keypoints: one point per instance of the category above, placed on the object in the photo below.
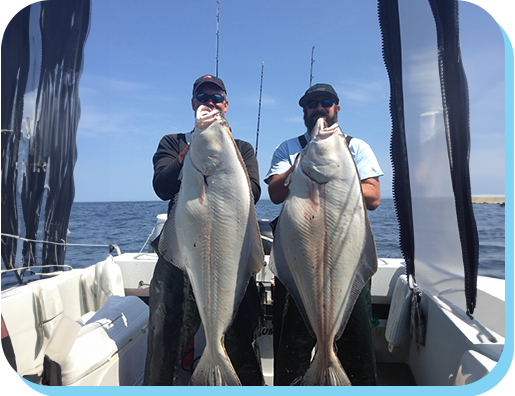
pixel 292 342
pixel 174 318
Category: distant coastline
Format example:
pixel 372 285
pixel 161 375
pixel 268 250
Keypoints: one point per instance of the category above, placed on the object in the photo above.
pixel 487 199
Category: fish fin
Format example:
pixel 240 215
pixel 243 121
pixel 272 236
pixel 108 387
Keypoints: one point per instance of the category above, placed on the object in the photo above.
pixel 256 259
pixel 256 255
pixel 254 262
pixel 367 267
pixel 168 242
pixel 331 375
pixel 368 260
pixel 214 369
pixel 283 272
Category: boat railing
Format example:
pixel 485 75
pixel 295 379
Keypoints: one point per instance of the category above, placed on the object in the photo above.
pixel 31 269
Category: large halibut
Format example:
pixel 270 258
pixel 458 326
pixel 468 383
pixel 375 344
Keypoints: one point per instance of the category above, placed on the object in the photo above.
pixel 212 233
pixel 323 250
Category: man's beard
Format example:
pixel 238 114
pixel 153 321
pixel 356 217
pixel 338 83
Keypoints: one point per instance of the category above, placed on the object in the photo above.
pixel 310 121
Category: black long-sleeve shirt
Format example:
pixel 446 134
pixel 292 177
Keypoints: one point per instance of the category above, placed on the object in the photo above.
pixel 167 167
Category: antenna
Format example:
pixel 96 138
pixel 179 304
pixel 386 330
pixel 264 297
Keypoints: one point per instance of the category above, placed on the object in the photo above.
pixel 217 34
pixel 312 61
pixel 259 111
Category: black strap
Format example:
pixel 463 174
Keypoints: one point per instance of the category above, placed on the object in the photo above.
pixel 303 142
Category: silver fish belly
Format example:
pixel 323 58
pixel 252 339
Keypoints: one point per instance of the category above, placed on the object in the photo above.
pixel 212 233
pixel 323 250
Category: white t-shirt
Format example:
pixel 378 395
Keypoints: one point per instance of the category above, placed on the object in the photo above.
pixel 286 153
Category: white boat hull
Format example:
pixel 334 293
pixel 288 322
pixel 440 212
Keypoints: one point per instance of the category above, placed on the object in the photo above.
pixel 455 352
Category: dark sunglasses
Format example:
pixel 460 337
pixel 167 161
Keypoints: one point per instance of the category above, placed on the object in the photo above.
pixel 204 98
pixel 324 102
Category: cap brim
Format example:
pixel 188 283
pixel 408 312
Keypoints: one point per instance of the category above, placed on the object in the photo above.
pixel 309 97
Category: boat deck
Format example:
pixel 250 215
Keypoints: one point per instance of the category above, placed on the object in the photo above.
pixel 394 374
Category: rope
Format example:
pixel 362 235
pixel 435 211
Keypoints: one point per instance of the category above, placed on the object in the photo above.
pixel 38 266
pixel 152 232
pixel 53 243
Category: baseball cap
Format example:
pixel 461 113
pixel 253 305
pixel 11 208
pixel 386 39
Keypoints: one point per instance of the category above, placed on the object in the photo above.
pixel 211 79
pixel 319 90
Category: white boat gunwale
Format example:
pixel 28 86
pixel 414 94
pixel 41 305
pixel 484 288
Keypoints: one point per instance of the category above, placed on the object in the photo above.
pixel 468 342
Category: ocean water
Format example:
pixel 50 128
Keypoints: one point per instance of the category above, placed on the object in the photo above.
pixel 129 225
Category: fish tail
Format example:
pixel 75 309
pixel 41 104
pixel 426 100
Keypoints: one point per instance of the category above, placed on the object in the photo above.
pixel 330 374
pixel 214 369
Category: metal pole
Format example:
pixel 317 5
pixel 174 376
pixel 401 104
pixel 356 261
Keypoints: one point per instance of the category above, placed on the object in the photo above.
pixel 312 61
pixel 217 34
pixel 259 110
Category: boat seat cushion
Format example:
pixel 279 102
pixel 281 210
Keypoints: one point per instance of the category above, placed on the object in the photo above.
pixel 100 282
pixel 110 330
pixel 48 312
pixel 397 326
pixel 50 308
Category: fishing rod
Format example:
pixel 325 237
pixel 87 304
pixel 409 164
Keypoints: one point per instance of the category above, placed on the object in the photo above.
pixel 259 110
pixel 217 34
pixel 312 61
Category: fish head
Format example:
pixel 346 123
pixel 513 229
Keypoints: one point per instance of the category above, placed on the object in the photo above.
pixel 322 131
pixel 205 116
pixel 320 125
pixel 211 133
pixel 321 157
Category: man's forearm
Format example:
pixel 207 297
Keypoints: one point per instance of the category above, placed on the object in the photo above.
pixel 371 192
pixel 276 188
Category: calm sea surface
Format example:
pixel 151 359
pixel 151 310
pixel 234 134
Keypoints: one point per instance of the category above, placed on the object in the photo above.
pixel 129 224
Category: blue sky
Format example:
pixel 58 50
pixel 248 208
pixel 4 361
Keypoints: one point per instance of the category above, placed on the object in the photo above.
pixel 141 61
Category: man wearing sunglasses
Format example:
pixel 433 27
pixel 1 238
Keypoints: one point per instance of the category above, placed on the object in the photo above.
pixel 174 318
pixel 292 342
